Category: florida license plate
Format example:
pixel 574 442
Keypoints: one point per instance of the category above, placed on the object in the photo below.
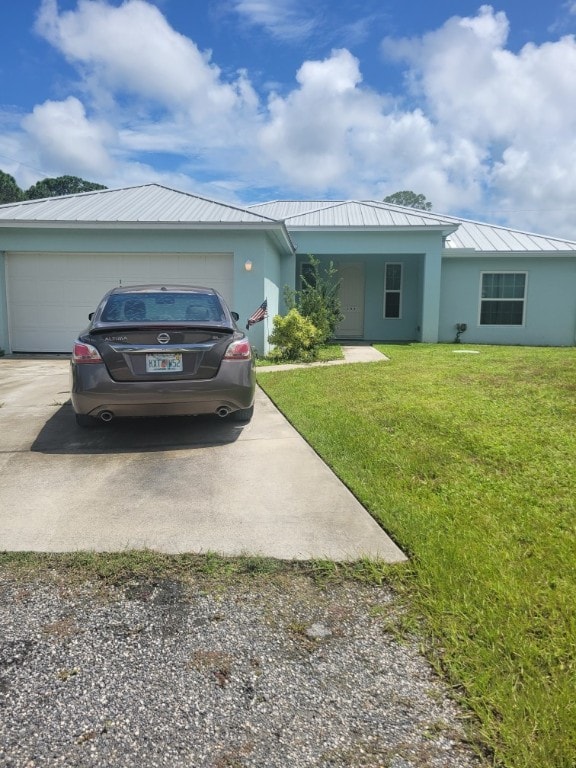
pixel 164 362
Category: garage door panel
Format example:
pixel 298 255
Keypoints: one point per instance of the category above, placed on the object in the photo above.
pixel 83 294
pixel 50 295
pixel 169 268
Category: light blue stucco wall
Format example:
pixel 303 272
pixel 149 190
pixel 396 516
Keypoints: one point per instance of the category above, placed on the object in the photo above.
pixel 420 253
pixel 3 307
pixel 270 273
pixel 550 311
pixel 272 264
pixel 438 292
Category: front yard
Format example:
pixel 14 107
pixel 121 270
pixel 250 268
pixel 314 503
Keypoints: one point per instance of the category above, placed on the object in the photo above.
pixel 467 457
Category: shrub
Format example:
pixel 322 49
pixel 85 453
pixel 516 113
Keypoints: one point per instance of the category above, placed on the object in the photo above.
pixel 318 300
pixel 295 337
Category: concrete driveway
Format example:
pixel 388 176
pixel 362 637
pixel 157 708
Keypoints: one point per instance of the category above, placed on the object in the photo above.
pixel 171 485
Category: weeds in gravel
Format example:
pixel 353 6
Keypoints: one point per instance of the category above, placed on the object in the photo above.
pixel 118 568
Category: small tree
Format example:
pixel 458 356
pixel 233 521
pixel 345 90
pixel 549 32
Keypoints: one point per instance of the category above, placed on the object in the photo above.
pixel 10 192
pixel 409 200
pixel 294 337
pixel 318 300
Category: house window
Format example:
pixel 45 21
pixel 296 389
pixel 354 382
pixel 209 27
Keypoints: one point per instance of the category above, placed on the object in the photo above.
pixel 502 300
pixel 392 290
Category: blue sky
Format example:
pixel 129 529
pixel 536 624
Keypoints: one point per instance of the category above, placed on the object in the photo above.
pixel 249 100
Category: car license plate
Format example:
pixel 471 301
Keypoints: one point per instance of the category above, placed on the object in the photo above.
pixel 164 362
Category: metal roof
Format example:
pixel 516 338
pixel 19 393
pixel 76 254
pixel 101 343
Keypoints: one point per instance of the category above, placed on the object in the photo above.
pixel 462 234
pixel 492 238
pixel 154 204
pixel 349 214
pixel 150 203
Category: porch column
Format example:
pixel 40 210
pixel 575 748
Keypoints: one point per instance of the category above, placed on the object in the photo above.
pixel 431 296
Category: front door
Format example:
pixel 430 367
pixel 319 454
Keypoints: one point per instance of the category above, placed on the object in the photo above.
pixel 351 301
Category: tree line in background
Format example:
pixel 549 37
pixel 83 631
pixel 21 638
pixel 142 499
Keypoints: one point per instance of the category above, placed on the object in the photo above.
pixel 10 192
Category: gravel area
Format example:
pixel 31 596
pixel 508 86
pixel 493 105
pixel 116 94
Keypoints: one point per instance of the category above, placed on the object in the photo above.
pixel 265 671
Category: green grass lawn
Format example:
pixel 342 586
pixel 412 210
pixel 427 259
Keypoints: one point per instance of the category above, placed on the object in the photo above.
pixel 469 462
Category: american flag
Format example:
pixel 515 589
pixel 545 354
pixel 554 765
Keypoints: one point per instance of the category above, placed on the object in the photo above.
pixel 258 314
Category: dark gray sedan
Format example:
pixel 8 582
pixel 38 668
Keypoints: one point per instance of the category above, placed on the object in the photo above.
pixel 162 350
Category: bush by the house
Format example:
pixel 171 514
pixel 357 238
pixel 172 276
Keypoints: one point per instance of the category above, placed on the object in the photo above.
pixel 294 337
pixel 318 300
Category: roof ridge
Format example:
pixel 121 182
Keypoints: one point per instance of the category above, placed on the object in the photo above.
pixel 206 199
pixel 79 194
pixel 331 204
pixel 287 200
pixel 325 205
pixel 116 190
pixel 374 204
pixel 409 210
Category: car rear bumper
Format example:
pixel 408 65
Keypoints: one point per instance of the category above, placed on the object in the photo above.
pixel 93 392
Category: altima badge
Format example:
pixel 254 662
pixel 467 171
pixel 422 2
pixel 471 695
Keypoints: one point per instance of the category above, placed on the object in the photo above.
pixel 163 338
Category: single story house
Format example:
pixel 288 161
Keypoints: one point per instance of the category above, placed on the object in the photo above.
pixel 406 274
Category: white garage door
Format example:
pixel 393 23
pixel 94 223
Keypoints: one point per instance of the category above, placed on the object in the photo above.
pixel 50 295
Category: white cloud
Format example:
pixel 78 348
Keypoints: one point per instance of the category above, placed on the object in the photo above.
pixel 63 136
pixel 131 49
pixel 306 134
pixel 515 111
pixel 283 19
pixel 332 133
pixel 152 84
pixel 473 85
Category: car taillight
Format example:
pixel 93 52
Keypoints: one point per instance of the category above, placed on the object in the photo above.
pixel 85 353
pixel 239 350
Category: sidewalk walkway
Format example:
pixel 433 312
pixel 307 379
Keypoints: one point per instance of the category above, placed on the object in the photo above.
pixel 360 353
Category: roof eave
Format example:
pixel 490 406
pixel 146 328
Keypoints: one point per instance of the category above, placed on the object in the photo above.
pixel 455 252
pixel 96 224
pixel 444 230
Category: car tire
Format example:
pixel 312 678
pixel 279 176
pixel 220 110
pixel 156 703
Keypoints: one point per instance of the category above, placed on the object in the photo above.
pixel 85 421
pixel 244 414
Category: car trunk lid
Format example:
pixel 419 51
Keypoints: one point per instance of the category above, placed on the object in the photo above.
pixel 162 353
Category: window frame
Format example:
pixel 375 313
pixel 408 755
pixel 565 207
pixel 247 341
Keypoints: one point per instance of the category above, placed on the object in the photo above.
pixel 388 291
pixel 524 298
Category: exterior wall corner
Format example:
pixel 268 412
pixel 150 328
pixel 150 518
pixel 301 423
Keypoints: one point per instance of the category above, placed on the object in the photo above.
pixel 431 285
pixel 4 340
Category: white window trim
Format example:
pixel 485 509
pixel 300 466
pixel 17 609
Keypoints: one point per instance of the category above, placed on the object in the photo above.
pixel 524 300
pixel 399 291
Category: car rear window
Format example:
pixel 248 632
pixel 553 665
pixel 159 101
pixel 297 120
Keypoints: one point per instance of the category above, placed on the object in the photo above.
pixel 163 307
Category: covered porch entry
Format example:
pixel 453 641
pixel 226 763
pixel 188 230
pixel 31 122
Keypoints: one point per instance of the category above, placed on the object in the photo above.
pixel 390 279
pixel 381 296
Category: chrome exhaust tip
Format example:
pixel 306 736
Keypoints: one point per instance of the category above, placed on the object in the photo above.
pixel 106 416
pixel 223 411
